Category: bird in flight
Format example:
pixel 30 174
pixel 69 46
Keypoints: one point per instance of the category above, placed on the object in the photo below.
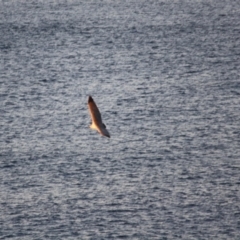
pixel 97 123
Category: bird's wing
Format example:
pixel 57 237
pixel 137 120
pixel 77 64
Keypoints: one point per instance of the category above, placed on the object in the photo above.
pixel 93 109
pixel 104 132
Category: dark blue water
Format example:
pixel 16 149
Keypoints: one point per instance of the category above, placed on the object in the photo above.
pixel 165 75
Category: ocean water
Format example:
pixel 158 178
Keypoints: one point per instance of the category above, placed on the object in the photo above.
pixel 165 76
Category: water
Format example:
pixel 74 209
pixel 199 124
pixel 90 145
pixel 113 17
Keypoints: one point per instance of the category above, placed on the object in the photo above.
pixel 165 75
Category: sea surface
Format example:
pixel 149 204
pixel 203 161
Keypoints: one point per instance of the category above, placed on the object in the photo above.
pixel 166 78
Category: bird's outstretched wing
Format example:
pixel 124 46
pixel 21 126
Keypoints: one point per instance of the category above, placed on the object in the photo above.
pixel 96 118
pixel 94 111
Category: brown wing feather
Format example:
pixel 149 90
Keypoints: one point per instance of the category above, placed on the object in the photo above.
pixel 94 111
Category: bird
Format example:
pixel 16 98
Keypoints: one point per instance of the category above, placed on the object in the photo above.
pixel 97 123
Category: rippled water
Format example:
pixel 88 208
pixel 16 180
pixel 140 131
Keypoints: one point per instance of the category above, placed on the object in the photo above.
pixel 165 75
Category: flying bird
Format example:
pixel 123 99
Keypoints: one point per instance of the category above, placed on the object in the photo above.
pixel 97 123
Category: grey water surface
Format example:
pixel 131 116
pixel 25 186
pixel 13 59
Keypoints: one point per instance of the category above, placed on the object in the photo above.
pixel 165 75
